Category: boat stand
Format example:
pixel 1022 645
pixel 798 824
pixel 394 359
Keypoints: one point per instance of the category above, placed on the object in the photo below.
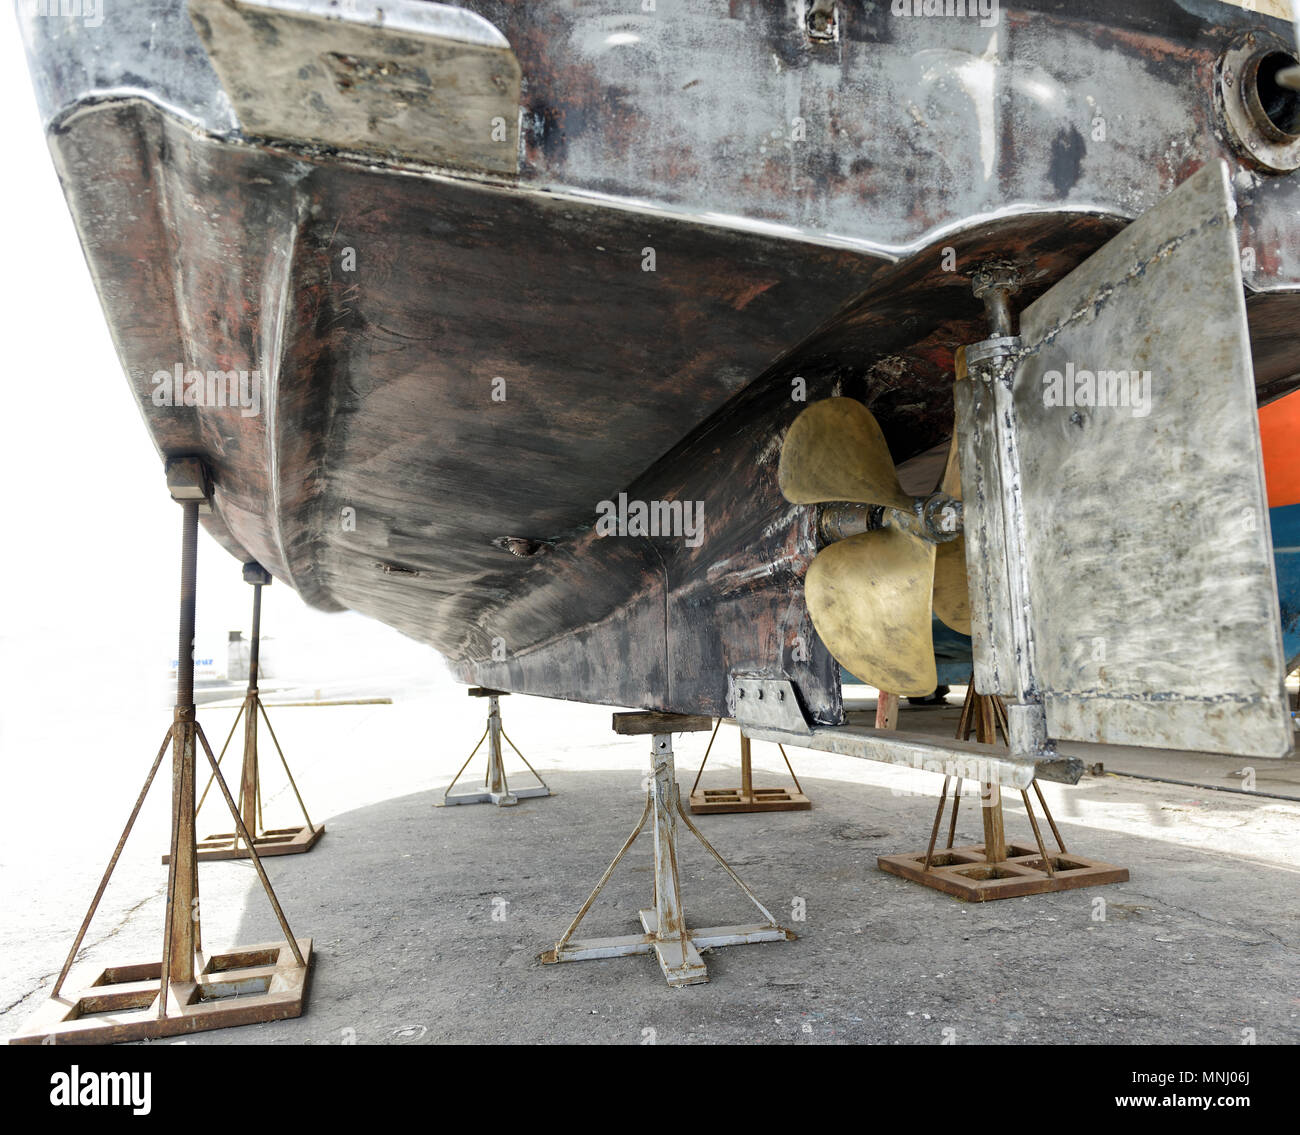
pixel 996 869
pixel 746 798
pixel 496 789
pixel 268 841
pixel 495 785
pixel 666 933
pixel 186 991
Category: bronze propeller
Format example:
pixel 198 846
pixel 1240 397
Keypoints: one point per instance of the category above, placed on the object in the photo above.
pixel 871 594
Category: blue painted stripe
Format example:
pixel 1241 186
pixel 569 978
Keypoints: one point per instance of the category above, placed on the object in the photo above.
pixel 1285 523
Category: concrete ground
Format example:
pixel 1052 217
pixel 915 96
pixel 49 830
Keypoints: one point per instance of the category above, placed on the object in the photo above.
pixel 1200 946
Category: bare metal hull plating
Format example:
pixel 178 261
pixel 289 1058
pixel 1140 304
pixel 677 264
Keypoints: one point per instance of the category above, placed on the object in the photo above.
pixel 698 212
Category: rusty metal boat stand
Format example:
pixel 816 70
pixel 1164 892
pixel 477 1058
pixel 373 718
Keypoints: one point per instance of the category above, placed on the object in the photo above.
pixel 496 788
pixel 996 869
pixel 187 991
pixel 666 933
pixel 746 798
pixel 268 841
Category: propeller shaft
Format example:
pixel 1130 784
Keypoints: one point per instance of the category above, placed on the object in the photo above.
pixel 936 519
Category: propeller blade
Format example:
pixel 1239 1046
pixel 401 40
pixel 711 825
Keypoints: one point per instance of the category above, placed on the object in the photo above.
pixel 834 451
pixel 869 597
pixel 951 483
pixel 951 589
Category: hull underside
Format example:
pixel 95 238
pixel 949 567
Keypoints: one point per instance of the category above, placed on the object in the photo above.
pixel 449 362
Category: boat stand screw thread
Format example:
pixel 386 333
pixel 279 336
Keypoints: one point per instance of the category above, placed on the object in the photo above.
pixel 189 566
pixel 254 647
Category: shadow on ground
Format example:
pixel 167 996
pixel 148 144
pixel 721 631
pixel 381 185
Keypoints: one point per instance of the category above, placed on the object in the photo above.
pixel 400 896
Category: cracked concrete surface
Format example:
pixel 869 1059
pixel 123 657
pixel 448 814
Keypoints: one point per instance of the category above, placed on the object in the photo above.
pixel 1201 944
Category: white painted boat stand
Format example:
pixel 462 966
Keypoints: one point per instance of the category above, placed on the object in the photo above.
pixel 496 789
pixel 666 934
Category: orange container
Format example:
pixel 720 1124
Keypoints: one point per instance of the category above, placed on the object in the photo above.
pixel 1279 431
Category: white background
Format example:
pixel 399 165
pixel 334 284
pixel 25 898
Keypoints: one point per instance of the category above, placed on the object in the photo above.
pixel 89 564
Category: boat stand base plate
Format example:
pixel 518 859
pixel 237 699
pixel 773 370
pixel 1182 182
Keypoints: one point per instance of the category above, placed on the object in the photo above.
pixel 500 799
pixel 243 986
pixel 712 801
pixel 274 841
pixel 964 873
pixel 677 970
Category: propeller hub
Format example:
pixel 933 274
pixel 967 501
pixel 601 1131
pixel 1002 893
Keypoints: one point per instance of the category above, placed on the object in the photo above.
pixel 936 519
